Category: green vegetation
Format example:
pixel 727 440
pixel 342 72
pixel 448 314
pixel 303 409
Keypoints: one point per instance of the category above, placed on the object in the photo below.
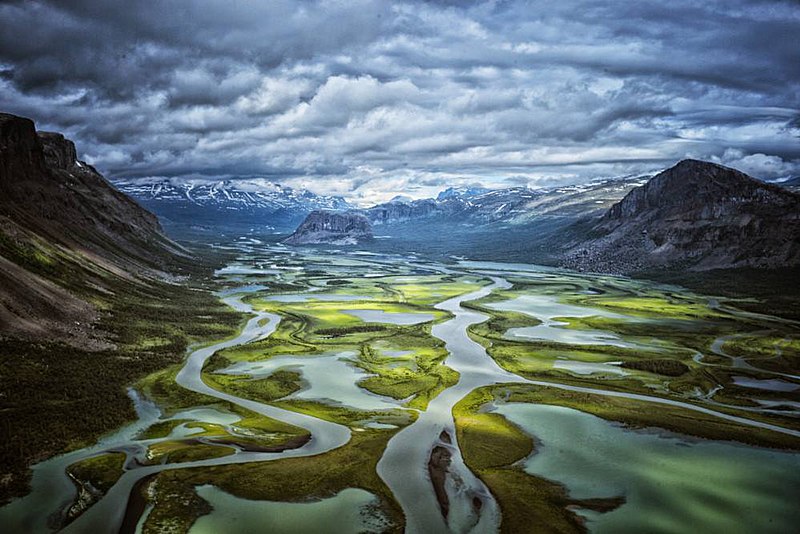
pixel 317 326
pixel 177 506
pixel 160 429
pixel 676 330
pixel 667 336
pixel 59 398
pixel 101 471
pixel 659 366
pixel 640 414
pixel 491 448
pixel 189 450
pixel 419 375
pixel 276 386
pixel 769 291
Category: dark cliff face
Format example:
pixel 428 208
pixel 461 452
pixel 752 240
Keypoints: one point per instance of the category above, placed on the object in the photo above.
pixel 66 236
pixel 59 152
pixel 21 153
pixel 699 216
pixel 328 227
pixel 46 189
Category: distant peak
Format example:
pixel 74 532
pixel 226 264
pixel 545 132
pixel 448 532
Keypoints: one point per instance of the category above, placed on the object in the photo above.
pixel 452 192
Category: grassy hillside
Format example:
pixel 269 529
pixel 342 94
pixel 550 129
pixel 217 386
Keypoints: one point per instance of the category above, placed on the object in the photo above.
pixel 62 389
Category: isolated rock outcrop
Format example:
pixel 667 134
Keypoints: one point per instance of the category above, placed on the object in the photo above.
pixel 695 216
pixel 332 228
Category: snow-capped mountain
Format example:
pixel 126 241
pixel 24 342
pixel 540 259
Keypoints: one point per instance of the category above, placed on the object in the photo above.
pixel 514 205
pixel 248 202
pixel 451 192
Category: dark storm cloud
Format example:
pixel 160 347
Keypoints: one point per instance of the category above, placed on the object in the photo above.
pixel 369 98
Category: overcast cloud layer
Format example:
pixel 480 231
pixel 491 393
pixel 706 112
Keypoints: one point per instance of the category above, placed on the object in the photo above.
pixel 370 99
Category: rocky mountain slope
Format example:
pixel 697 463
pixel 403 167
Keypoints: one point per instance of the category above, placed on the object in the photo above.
pixel 694 216
pixel 211 205
pixel 64 231
pixel 332 228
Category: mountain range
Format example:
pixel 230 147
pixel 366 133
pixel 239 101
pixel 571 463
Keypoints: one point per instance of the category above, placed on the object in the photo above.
pixel 202 207
pixel 205 206
pixel 696 216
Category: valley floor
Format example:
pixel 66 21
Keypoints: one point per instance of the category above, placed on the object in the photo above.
pixel 380 392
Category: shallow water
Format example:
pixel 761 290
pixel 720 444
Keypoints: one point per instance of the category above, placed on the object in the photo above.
pixel 671 483
pixel 593 459
pixel 253 288
pixel 587 368
pixel 546 308
pixel 350 511
pixel 323 297
pixel 329 377
pixel 241 269
pixel 770 384
pixel 399 318
pixel 403 465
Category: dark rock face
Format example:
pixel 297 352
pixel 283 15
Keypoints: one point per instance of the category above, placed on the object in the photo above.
pixel 392 212
pixel 64 229
pixel 45 189
pixel 698 216
pixel 20 149
pixel 59 152
pixel 330 227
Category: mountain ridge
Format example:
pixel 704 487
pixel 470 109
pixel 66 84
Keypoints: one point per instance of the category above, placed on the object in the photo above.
pixel 244 203
pixel 64 232
pixel 695 215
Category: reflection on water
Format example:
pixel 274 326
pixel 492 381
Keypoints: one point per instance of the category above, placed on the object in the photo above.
pixel 587 368
pixel 670 484
pixel 329 377
pixel 349 511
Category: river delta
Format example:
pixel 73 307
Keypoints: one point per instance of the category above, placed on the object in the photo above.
pixel 387 393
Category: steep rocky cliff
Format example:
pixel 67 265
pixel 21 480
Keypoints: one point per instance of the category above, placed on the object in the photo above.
pixel 333 228
pixel 697 216
pixel 45 189
pixel 64 232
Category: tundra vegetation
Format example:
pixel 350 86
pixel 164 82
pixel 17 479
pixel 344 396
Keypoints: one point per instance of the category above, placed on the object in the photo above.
pixel 601 333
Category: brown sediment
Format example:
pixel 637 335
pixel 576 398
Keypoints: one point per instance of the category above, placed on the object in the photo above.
pixel 136 505
pixel 477 504
pixel 438 464
pixel 445 437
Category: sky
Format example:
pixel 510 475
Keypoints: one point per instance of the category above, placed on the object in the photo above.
pixel 370 99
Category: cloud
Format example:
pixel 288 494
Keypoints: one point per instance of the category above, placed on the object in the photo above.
pixel 373 98
pixel 759 165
